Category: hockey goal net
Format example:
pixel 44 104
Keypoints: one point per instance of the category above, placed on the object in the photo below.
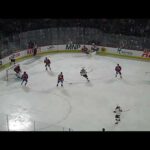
pixel 10 73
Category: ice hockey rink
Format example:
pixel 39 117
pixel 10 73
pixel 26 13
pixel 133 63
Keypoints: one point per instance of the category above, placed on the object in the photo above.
pixel 79 105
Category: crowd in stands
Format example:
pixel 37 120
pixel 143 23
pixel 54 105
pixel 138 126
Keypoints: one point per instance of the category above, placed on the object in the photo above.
pixel 134 27
pixel 133 34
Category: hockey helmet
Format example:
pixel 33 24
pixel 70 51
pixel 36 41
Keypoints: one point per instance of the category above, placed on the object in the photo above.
pixel 118 106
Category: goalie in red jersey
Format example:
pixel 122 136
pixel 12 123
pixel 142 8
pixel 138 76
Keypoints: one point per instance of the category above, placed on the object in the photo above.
pixel 24 78
pixel 60 79
pixel 17 69
pixel 47 63
pixel 118 70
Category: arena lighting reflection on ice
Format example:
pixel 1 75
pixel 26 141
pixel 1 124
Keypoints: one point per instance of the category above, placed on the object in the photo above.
pixel 19 122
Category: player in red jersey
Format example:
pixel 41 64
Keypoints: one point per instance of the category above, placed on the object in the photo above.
pixel 85 49
pixel 24 78
pixel 17 69
pixel 47 63
pixel 118 70
pixel 60 79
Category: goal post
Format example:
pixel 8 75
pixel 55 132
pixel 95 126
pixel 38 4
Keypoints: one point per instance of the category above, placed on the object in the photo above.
pixel 10 73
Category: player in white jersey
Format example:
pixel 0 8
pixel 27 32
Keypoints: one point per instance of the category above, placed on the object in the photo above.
pixel 83 73
pixel 118 111
pixel 12 59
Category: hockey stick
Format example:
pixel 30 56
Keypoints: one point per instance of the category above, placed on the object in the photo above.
pixel 90 70
pixel 75 82
pixel 122 111
pixel 126 110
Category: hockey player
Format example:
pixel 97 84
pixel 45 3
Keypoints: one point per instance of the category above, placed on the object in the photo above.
pixel 35 49
pixel 94 48
pixel 12 59
pixel 85 49
pixel 47 63
pixel 24 78
pixel 18 71
pixel 118 70
pixel 60 79
pixel 84 74
pixel 118 111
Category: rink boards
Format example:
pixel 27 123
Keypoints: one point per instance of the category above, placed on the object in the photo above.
pixel 63 48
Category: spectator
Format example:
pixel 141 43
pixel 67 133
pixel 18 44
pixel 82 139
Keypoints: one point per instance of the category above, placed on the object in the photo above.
pixel 30 45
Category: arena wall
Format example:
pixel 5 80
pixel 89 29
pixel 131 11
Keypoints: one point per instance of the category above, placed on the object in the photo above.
pixel 55 48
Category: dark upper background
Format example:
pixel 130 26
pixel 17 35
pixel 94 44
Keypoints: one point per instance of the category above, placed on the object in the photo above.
pixel 134 27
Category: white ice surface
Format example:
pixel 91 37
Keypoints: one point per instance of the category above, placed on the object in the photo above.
pixel 80 106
